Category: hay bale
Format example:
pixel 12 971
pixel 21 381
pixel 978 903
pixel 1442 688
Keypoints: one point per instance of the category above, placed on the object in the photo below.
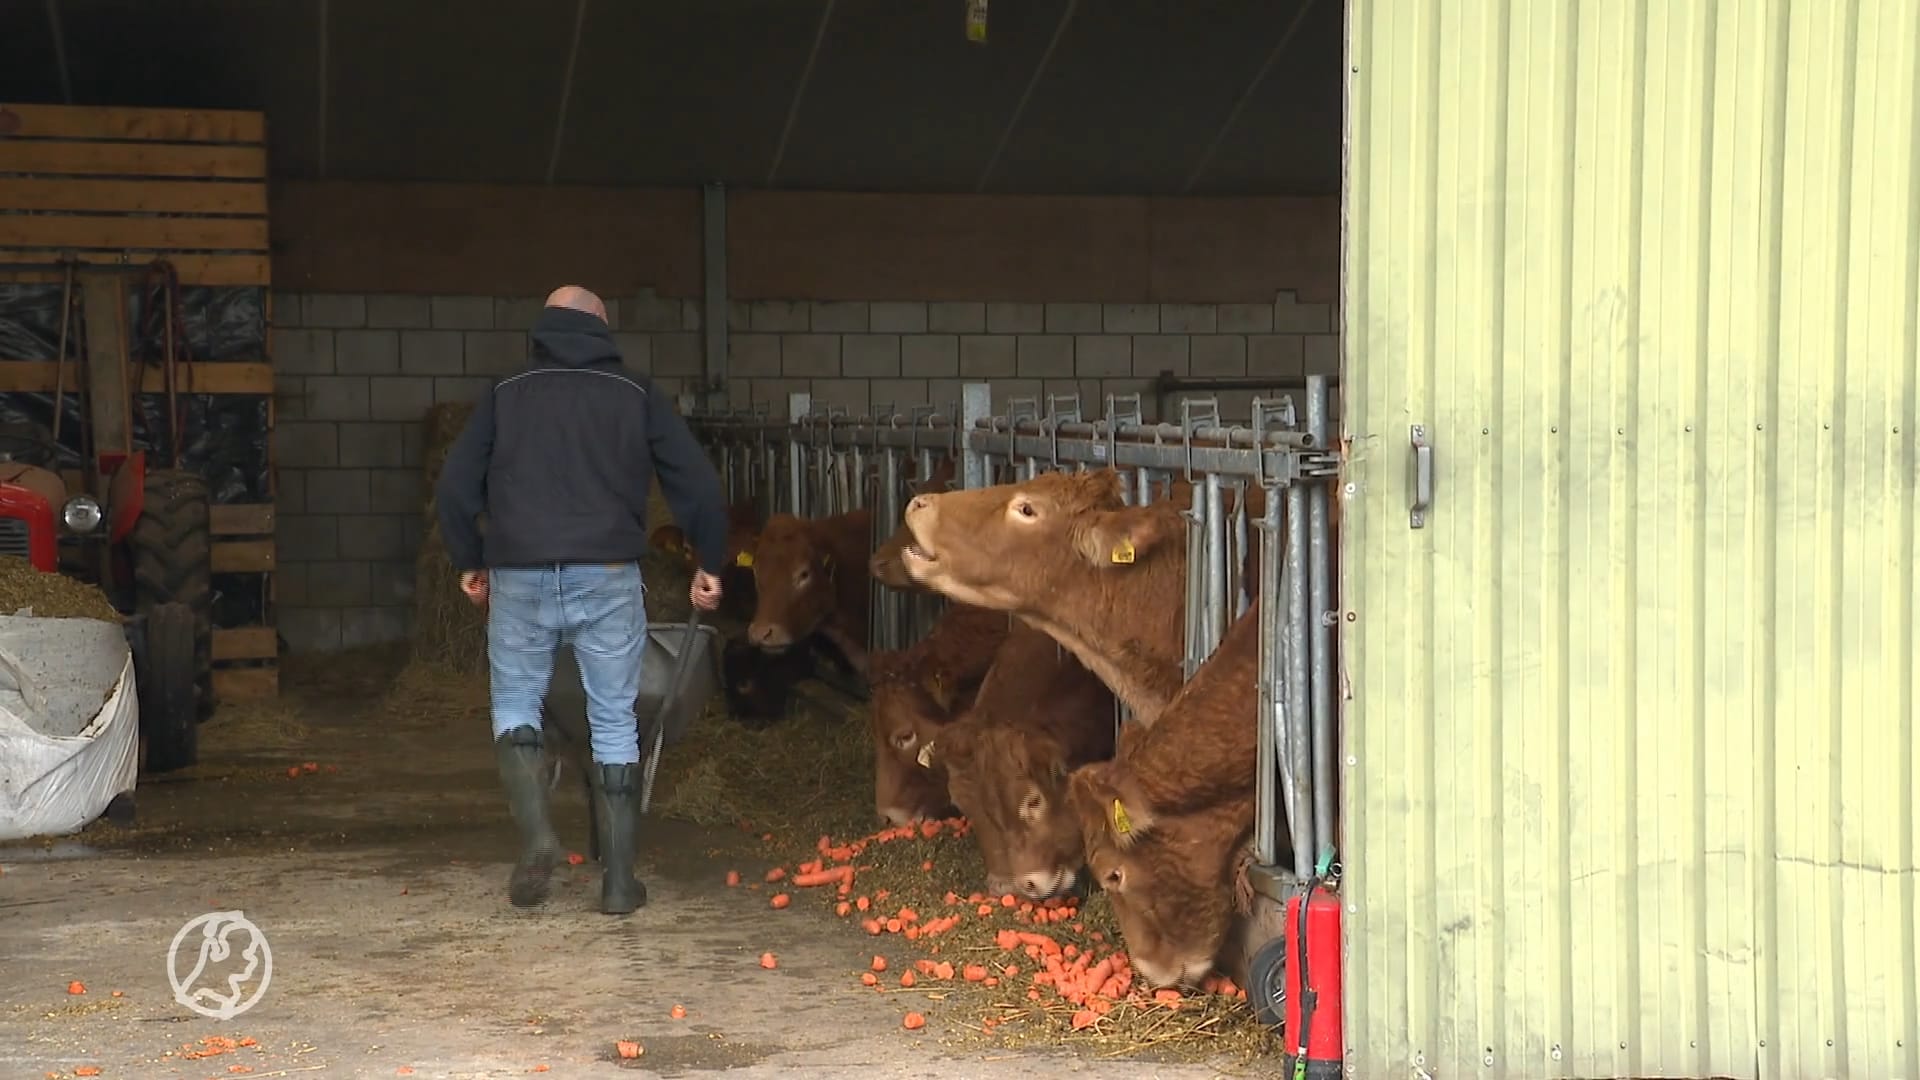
pixel 49 596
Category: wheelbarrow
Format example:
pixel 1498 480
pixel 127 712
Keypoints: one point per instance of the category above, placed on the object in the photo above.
pixel 679 674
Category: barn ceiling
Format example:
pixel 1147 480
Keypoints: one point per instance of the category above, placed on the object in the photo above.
pixel 1125 97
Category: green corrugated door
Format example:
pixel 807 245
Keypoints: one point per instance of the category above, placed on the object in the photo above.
pixel 1631 752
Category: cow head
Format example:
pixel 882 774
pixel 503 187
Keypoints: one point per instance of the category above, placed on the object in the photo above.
pixel 1171 882
pixel 1002 547
pixel 885 565
pixel 906 717
pixel 793 579
pixel 1010 782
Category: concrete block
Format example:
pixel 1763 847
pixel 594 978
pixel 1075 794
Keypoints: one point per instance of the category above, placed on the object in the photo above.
pixel 1073 318
pixel 903 394
pixel 396 311
pixel 462 312
pixel 1323 354
pixel 1045 356
pixel 1005 390
pixel 838 316
pixel 308 629
pixel 773 393
pixel 306 445
pixel 1285 297
pixel 300 352
pixel 289 489
pixel 1246 318
pixel 1218 354
pixel 289 398
pixel 870 355
pixel 404 398
pixel 1276 354
pixel 1016 318
pixel 396 491
pixel 957 317
pixel 432 352
pixel 338 491
pixel 810 355
pixel 944 395
pixel 338 397
pixel 286 307
pixel 848 394
pixel 520 312
pixel 897 316
pixel 678 354
pixel 334 309
pixel 413 444
pixel 753 355
pixel 1130 318
pixel 372 537
pixel 366 352
pixel 1189 318
pixel 364 626
pixel 1101 355
pixel 338 584
pixel 289 590
pixel 636 351
pixel 777 315
pixel 985 357
pixel 739 315
pixel 1155 353
pixel 649 311
pixel 299 538
pixel 496 352
pixel 467 388
pixel 930 356
pixel 693 314
pixel 372 446
pixel 1302 319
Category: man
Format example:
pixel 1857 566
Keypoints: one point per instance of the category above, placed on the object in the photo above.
pixel 560 458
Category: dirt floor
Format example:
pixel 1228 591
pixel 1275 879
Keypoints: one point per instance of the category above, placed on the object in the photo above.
pixel 377 873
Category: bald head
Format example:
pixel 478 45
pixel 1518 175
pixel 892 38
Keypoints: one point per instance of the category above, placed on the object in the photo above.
pixel 575 298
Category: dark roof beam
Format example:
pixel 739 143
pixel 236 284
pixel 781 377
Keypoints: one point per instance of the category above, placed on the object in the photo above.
pixel 1246 95
pixel 1026 95
pixel 59 51
pixel 324 18
pixel 566 91
pixel 800 91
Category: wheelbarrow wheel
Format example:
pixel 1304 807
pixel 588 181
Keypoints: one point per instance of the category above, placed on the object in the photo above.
pixel 1267 984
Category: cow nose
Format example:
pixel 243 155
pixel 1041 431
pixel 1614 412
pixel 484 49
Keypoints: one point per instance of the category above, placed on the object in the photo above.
pixel 895 816
pixel 919 504
pixel 1038 886
pixel 759 633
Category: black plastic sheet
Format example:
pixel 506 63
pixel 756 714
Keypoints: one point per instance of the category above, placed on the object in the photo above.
pixel 222 323
pixel 224 436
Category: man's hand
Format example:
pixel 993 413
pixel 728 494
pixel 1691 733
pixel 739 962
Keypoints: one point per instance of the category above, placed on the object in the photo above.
pixel 474 584
pixel 705 593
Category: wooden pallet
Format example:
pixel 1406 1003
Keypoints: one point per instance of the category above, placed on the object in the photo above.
pixel 108 187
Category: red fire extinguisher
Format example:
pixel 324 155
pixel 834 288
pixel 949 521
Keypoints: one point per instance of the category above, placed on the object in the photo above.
pixel 1314 1050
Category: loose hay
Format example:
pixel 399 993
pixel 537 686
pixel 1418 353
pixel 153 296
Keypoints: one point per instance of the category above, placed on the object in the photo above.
pixel 50 596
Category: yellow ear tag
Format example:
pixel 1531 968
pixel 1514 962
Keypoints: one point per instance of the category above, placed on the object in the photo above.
pixel 1121 823
pixel 1123 552
pixel 745 559
pixel 925 757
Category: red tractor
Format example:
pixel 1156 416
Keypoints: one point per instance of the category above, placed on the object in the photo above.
pixel 148 546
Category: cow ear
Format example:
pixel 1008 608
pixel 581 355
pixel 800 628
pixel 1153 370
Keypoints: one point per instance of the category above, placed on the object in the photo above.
pixel 1120 538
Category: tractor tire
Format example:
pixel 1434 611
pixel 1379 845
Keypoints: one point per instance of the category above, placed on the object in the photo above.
pixel 172 550
pixel 168 721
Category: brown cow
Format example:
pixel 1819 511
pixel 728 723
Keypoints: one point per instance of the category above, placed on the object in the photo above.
pixel 1064 552
pixel 917 691
pixel 885 564
pixel 810 575
pixel 1040 713
pixel 1165 822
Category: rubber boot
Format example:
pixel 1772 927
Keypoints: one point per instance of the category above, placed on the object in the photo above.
pixel 615 796
pixel 520 758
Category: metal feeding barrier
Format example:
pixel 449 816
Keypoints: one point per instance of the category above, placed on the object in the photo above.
pixel 832 462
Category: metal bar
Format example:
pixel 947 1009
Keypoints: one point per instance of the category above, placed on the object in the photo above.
pixel 799 405
pixel 60 51
pixel 1272 748
pixel 1299 722
pixel 1020 106
pixel 1246 95
pixel 713 368
pixel 322 62
pixel 566 92
pixel 799 92
pixel 976 405
pixel 1213 628
pixel 1192 611
pixel 1324 618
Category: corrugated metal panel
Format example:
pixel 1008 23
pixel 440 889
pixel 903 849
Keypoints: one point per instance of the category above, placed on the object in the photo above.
pixel 1632 717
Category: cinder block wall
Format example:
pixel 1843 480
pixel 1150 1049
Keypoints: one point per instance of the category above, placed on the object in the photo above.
pixel 356 373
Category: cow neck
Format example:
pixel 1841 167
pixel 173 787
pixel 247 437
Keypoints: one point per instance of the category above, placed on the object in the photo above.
pixel 1126 636
pixel 846 624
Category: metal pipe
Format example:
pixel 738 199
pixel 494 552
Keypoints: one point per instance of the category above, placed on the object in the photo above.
pixel 60 368
pixel 976 405
pixel 1193 616
pixel 1213 628
pixel 1324 619
pixel 1299 720
pixel 1272 752
pixel 799 405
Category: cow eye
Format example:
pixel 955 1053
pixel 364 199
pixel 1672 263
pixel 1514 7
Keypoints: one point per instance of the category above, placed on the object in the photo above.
pixel 1032 804
pixel 1023 508
pixel 803 576
pixel 1115 880
pixel 905 740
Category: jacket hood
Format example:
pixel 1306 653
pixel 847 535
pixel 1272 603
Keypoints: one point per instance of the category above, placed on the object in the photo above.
pixel 563 337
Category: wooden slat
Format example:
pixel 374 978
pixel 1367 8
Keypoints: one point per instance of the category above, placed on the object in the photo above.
pixel 207 377
pixel 132 159
pixel 135 196
pixel 245 643
pixel 115 233
pixel 104 367
pixel 246 684
pixel 193 269
pixel 242 556
pixel 98 122
pixel 243 519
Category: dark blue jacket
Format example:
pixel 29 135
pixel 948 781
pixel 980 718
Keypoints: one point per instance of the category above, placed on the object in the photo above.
pixel 561 457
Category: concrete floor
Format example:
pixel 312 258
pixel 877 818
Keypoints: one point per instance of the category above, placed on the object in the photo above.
pixel 379 883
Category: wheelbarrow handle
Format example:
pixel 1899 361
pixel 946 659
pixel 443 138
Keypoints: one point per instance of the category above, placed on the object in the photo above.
pixel 666 702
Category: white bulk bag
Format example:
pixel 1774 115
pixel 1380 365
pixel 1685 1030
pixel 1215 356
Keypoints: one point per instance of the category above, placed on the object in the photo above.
pixel 69 723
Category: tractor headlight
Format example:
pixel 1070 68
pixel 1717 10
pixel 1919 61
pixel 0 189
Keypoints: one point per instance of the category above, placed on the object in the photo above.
pixel 81 514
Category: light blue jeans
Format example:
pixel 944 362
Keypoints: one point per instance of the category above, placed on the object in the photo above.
pixel 598 609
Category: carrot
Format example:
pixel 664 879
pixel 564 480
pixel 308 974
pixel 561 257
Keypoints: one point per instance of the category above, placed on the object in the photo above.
pixel 1033 995
pixel 842 909
pixel 1084 1019
pixel 1072 951
pixel 627 1049
pixel 76 987
pixel 823 845
pixel 767 961
pixel 990 981
pixel 986 909
pixel 914 1022
pixel 1010 900
pixel 809 879
pixel 780 900
pixel 1101 972
pixel 1043 978
pixel 812 866
pixel 1168 996
pixel 1007 940
pixel 872 926
pixel 893 926
pixel 863 903
pixel 943 970
pixel 1010 971
pixel 930 829
pixel 574 858
pixel 925 967
pixel 733 878
pixel 906 980
pixel 879 896
pixel 775 874
pixel 879 963
pixel 678 1012
pixel 1097 936
pixel 911 933
pixel 1227 987
pixel 974 973
pixel 951 899
pixel 927 865
pixel 975 898
pixel 868 978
